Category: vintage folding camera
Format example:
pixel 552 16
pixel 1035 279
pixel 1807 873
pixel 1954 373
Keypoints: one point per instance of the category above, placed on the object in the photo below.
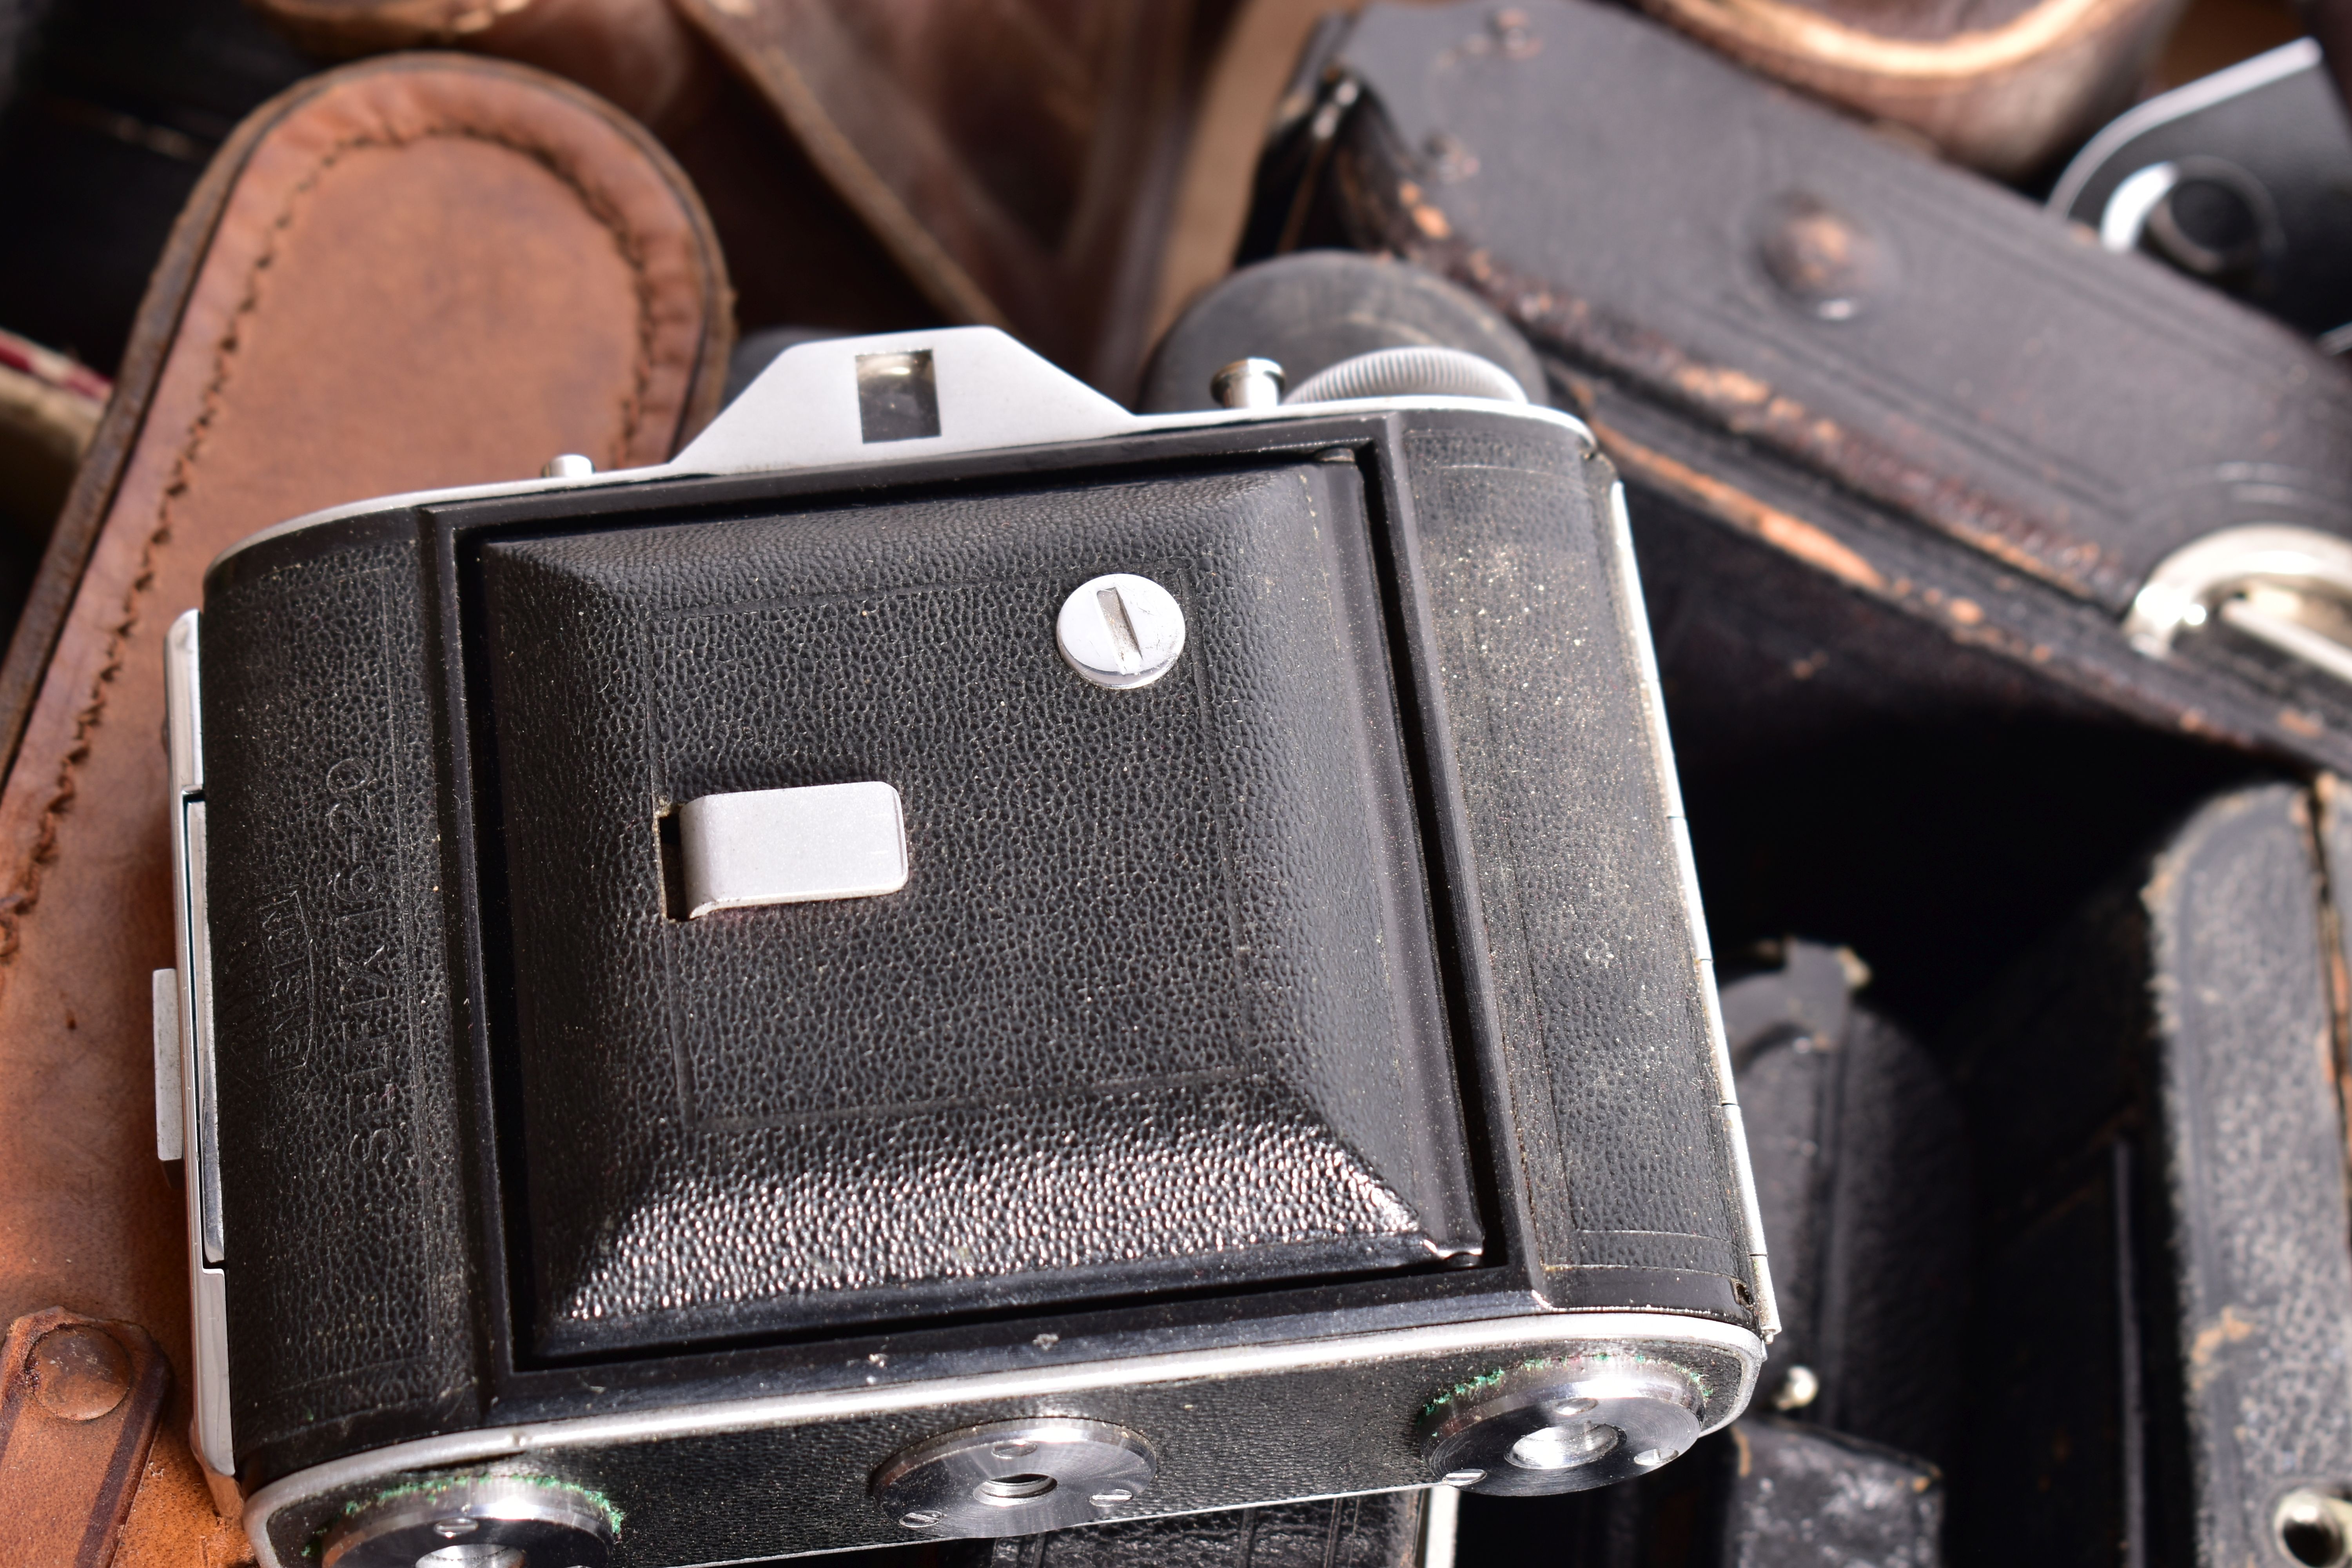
pixel 954 962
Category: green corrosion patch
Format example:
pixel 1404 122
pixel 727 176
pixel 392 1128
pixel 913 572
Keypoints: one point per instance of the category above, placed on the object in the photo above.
pixel 1598 1361
pixel 433 1486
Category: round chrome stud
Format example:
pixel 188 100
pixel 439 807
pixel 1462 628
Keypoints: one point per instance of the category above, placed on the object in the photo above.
pixel 1121 631
pixel 2314 1528
pixel 1247 384
pixel 1015 1477
pixel 1799 1389
pixel 1561 1427
pixel 476 1522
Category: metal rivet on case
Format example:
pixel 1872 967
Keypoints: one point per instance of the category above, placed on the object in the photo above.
pixel 965 1484
pixel 80 1373
pixel 1799 1389
pixel 1821 258
pixel 568 466
pixel 1121 631
pixel 1564 1446
pixel 1507 1431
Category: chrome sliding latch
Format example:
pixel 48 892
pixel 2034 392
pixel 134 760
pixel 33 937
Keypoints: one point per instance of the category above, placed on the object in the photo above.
pixel 2289 588
pixel 194 1097
pixel 791 846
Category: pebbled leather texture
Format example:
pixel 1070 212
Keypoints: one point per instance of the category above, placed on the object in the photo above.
pixel 1154 1007
pixel 2166 1261
pixel 1861 1175
pixel 1598 991
pixel 325 910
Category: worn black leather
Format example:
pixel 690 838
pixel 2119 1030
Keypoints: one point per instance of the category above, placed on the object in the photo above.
pixel 1596 992
pixel 1794 1496
pixel 1150 1010
pixel 339 1063
pixel 1933 396
pixel 2160 1146
pixel 1862 1173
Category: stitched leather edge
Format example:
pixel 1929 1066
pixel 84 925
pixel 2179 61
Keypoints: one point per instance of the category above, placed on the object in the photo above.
pixel 23 896
pixel 31 647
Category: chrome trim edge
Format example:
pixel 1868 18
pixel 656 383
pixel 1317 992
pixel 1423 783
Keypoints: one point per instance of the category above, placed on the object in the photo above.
pixel 1550 1329
pixel 1653 696
pixel 2317 649
pixel 202 1085
pixel 2179 587
pixel 199 1108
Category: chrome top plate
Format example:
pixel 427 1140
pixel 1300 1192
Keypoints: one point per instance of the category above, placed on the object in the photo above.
pixel 809 411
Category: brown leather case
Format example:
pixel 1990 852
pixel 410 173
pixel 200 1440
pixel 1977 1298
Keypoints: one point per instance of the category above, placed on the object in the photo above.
pixel 1011 163
pixel 426 270
pixel 2004 86
pixel 798 254
pixel 1018 158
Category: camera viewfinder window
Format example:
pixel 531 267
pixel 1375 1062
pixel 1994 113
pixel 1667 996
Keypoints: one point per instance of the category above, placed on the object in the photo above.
pixel 897 400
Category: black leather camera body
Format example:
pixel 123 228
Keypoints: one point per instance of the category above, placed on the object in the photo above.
pixel 954 962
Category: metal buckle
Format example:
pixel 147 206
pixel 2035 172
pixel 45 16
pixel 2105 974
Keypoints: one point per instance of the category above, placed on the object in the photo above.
pixel 2288 587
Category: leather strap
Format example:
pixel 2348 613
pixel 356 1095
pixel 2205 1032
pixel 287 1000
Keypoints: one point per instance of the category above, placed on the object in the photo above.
pixel 424 271
pixel 78 1404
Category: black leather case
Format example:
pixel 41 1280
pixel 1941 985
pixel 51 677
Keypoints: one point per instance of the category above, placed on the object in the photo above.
pixel 1861 1175
pixel 1349 984
pixel 1930 422
pixel 2155 1094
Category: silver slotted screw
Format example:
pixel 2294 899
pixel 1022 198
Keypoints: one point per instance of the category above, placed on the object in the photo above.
pixel 1121 631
